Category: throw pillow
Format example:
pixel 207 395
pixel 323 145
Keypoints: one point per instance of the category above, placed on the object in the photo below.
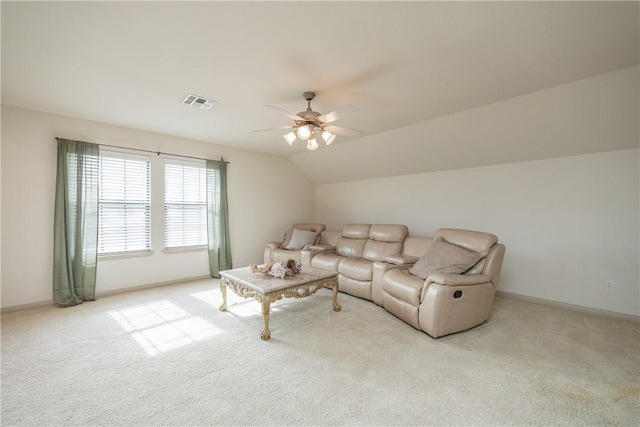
pixel 300 239
pixel 287 237
pixel 444 257
pixel 289 233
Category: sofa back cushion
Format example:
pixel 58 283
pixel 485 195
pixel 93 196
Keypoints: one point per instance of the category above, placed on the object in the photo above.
pixel 475 241
pixel 390 233
pixel 354 237
pixel 416 245
pixel 356 231
pixel 330 238
pixel 384 240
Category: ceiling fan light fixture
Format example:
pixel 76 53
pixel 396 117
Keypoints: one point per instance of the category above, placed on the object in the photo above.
pixel 304 132
pixel 328 137
pixel 310 125
pixel 312 144
pixel 290 137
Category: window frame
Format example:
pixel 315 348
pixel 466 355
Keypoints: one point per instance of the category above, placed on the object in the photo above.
pixel 139 203
pixel 169 244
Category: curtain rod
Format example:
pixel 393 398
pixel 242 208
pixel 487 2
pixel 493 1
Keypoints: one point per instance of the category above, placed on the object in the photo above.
pixel 156 152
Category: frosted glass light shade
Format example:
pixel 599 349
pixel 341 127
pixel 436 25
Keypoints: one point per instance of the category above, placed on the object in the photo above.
pixel 303 132
pixel 290 137
pixel 312 144
pixel 328 137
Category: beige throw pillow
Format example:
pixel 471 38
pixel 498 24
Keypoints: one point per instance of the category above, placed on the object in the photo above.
pixel 289 233
pixel 301 239
pixel 444 257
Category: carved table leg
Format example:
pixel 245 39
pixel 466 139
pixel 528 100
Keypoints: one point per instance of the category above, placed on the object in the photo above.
pixel 223 291
pixel 266 307
pixel 336 306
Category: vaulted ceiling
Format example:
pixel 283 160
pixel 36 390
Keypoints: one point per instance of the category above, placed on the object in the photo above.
pixel 400 63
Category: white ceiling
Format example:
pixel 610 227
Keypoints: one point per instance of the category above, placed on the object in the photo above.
pixel 400 63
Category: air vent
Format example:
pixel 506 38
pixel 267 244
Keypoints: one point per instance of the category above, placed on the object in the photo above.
pixel 199 102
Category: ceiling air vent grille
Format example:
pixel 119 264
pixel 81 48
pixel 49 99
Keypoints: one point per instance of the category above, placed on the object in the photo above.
pixel 198 101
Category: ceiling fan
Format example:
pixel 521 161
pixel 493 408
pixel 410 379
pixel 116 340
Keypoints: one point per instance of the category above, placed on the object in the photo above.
pixel 309 124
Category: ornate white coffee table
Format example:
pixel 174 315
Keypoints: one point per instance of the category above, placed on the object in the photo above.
pixel 266 290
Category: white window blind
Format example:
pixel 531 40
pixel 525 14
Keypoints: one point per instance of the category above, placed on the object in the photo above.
pixel 185 204
pixel 124 203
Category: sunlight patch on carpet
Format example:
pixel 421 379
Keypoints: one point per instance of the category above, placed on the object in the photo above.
pixel 161 326
pixel 237 305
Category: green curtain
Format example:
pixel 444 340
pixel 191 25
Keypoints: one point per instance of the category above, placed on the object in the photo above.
pixel 75 235
pixel 218 218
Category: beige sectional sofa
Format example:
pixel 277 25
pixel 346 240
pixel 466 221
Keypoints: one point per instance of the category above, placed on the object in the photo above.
pixel 441 285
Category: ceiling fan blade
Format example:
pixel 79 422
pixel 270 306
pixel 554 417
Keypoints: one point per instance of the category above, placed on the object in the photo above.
pixel 283 111
pixel 281 127
pixel 338 114
pixel 353 133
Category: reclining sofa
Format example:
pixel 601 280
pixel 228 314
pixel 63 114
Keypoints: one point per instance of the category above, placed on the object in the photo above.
pixel 441 285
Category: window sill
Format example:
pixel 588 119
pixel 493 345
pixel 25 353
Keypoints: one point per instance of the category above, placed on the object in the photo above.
pixel 184 250
pixel 109 257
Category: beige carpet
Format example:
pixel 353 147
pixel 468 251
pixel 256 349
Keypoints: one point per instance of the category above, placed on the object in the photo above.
pixel 167 356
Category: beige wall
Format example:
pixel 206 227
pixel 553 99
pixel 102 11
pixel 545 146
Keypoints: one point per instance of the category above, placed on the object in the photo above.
pixel 266 194
pixel 568 223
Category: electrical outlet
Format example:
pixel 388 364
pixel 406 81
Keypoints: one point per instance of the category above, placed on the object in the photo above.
pixel 608 284
pixel 187 260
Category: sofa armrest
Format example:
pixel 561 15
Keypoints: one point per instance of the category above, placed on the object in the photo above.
pixel 380 268
pixel 457 279
pixel 321 248
pixel 274 245
pixel 401 259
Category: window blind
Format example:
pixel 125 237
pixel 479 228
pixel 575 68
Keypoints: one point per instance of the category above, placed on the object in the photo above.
pixel 124 203
pixel 185 204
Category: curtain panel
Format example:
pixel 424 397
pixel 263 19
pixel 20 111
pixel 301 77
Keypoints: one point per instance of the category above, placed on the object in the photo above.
pixel 218 218
pixel 75 237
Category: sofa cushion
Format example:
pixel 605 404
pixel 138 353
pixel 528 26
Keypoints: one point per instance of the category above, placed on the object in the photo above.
pixel 356 268
pixel 326 261
pixel 301 239
pixel 284 255
pixel 444 257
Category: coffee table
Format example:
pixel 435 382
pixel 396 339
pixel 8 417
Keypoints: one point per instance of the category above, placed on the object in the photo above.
pixel 266 289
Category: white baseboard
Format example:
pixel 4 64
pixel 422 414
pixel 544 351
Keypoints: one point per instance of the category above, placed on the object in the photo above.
pixel 152 285
pixel 572 307
pixel 49 302
pixel 28 306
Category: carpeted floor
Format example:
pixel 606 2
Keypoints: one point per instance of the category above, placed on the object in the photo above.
pixel 167 356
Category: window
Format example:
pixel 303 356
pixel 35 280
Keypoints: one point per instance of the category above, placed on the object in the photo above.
pixel 185 204
pixel 124 203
